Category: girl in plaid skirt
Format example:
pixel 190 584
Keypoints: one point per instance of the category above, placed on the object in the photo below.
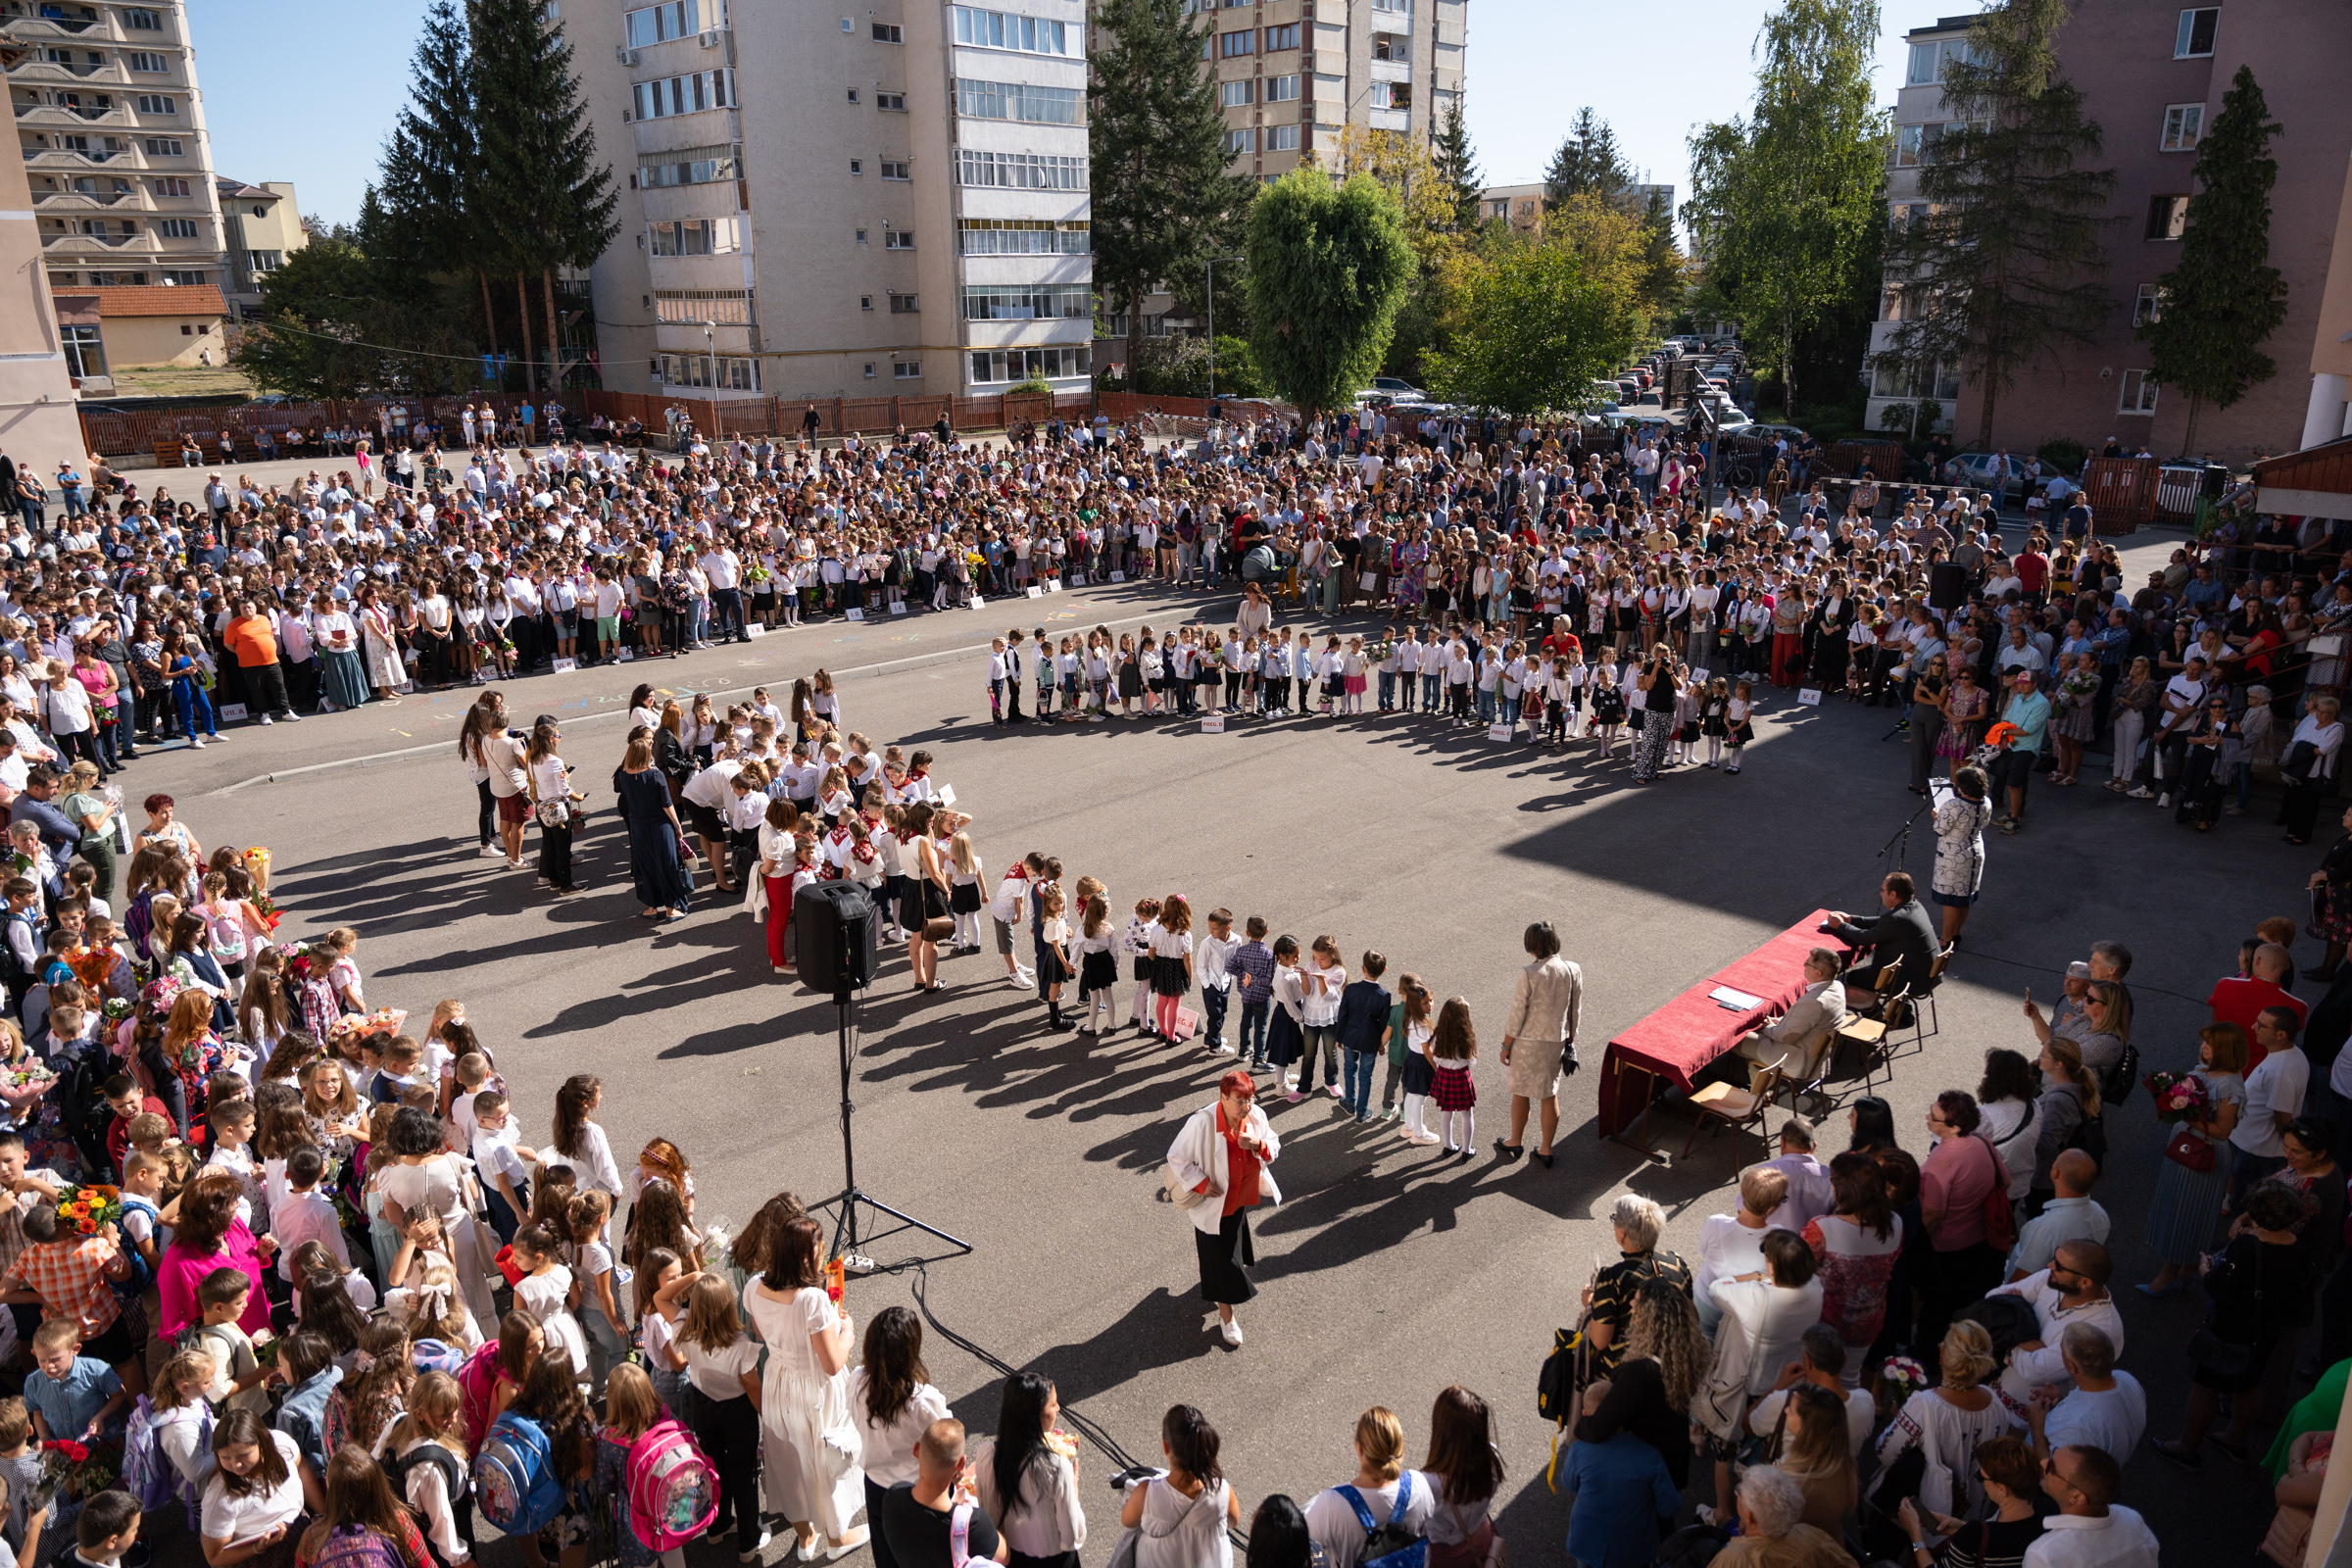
pixel 1452 1049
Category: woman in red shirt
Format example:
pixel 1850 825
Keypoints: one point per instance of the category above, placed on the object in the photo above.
pixel 1222 1155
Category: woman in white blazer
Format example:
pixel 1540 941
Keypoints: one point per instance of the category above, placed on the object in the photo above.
pixel 1222 1153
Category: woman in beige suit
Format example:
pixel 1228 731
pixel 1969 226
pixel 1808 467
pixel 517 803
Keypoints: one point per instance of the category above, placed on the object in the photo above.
pixel 1539 1039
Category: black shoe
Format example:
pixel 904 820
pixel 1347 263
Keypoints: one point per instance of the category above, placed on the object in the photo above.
pixel 1507 1151
pixel 1543 1160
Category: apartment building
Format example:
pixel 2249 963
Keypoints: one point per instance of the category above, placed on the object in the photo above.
pixel 110 126
pixel 832 201
pixel 263 226
pixel 39 424
pixel 1522 205
pixel 2153 76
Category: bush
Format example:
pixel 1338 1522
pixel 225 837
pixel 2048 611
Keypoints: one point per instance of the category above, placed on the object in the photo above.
pixel 1034 384
pixel 2065 454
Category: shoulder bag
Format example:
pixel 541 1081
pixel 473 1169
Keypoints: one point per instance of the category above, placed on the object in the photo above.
pixel 1173 1189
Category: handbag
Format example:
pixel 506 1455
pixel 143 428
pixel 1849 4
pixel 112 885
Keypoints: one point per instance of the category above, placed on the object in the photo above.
pixel 2208 1351
pixel 1185 1197
pixel 2296 765
pixel 2188 1149
pixel 938 928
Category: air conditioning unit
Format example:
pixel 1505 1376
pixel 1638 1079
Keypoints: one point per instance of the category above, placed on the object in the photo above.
pixel 709 39
pixel 627 57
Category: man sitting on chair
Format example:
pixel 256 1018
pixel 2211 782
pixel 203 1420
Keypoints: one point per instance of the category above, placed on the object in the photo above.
pixel 1902 934
pixel 1791 1044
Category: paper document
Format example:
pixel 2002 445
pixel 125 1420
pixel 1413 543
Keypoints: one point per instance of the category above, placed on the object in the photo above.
pixel 1736 1001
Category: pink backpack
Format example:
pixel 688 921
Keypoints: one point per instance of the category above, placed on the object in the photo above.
pixel 477 1380
pixel 673 1491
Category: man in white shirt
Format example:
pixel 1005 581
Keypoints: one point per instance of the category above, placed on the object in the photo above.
pixel 2071 1217
pixel 2090 1529
pixel 2274 1098
pixel 2072 1290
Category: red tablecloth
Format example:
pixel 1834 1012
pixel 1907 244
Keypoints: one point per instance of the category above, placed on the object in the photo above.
pixel 1678 1041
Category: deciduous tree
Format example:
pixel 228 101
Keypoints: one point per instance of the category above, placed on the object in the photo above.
pixel 1328 268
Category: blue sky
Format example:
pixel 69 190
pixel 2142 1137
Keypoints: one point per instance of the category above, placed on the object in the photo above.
pixel 287 99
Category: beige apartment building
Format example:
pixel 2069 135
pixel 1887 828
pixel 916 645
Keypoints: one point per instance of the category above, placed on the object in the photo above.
pixel 39 424
pixel 1522 205
pixel 841 200
pixel 263 226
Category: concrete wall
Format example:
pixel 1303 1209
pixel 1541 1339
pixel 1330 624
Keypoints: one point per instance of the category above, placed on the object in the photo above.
pixel 132 341
pixel 37 420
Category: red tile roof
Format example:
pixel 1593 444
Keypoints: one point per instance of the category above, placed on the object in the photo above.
pixel 161 298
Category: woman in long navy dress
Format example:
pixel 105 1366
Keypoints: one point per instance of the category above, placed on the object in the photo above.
pixel 662 885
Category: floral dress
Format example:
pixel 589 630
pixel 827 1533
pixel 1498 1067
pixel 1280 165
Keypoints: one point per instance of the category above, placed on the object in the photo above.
pixel 1853 1264
pixel 1413 569
pixel 1964 709
pixel 2073 705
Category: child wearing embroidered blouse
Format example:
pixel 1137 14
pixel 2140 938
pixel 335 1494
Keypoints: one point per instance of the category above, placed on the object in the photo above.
pixel 1054 952
pixel 1097 963
pixel 1171 965
pixel 1713 722
pixel 1608 709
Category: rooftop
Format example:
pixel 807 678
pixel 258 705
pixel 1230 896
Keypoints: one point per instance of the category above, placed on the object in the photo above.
pixel 1945 25
pixel 153 300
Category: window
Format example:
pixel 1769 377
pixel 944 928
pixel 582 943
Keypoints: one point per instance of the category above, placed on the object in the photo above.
pixel 151 103
pixel 866 302
pixel 2138 395
pixel 2182 125
pixel 853 95
pixel 696 236
pixel 173 188
pixel 1023 237
pixel 64 279
pixel 1392 95
pixel 988 170
pixel 1231 45
pixel 888 32
pixel 688 166
pixel 869 370
pixel 856 166
pixel 702 370
pixel 1402 8
pixel 897 170
pixel 897 239
pixel 861 236
pixel 188 279
pixel 1282 138
pixel 152 64
pixel 665 96
pixel 2149 305
pixel 1910 381
pixel 1928 60
pixel 904 304
pixel 1013 100
pixel 847 25
pixel 1237 95
pixel 674 18
pixel 1283 37
pixel 2195 37
pixel 86 352
pixel 891 103
pixel 1282 89
pixel 1018 364
pixel 177 228
pixel 1243 140
pixel 138 18
pixel 1028 302
pixel 906 370
pixel 2168 216
pixel 162 147
pixel 692 306
pixel 1005 29
pixel 265 260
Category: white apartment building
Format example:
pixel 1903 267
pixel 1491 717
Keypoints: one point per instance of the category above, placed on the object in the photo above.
pixel 110 126
pixel 1920 117
pixel 834 201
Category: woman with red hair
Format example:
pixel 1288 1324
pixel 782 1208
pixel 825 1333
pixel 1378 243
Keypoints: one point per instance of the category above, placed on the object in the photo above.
pixel 1219 1162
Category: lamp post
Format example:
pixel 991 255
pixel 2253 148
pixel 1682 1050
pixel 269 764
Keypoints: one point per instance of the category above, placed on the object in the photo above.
pixel 1212 320
pixel 711 353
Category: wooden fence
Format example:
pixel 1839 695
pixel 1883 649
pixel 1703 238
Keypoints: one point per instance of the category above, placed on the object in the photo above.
pixel 2121 492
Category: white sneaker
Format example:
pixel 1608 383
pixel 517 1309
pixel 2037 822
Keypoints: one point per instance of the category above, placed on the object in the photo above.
pixel 2163 802
pixel 753 1556
pixel 266 719
pixel 196 742
pixel 491 852
pixel 513 866
pixel 293 717
pixel 1231 1328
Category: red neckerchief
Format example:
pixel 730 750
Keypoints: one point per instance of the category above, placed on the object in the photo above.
pixel 839 834
pixel 864 853
pixel 914 774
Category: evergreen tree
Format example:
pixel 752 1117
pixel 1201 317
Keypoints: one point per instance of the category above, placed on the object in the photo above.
pixel 1163 202
pixel 1328 268
pixel 2005 264
pixel 1665 274
pixel 1587 162
pixel 430 190
pixel 1457 167
pixel 552 196
pixel 2223 298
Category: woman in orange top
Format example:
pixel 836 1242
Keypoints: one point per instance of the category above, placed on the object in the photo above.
pixel 1222 1153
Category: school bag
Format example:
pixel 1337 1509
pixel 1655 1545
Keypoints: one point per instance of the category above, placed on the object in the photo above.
pixel 673 1491
pixel 358 1546
pixel 515 1476
pixel 1392 1544
pixel 477 1380
pixel 452 1468
pixel 437 1355
pixel 960 1534
pixel 148 1473
pixel 141 1276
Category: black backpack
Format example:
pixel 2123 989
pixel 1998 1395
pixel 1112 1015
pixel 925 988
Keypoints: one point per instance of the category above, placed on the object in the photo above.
pixel 2115 1084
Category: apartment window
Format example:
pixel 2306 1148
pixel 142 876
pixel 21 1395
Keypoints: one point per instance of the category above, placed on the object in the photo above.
pixel 1928 60
pixel 177 228
pixel 143 60
pixel 187 279
pixel 888 32
pixel 157 147
pixel 729 373
pixel 2182 125
pixel 86 352
pixel 1023 237
pixel 1028 302
pixel 1019 101
pixel 897 239
pixel 674 18
pixel 2168 216
pixel 897 170
pixel 1282 89
pixel 152 102
pixel 665 96
pixel 853 95
pixel 1282 38
pixel 866 302
pixel 1402 8
pixel 1392 95
pixel 847 25
pixel 138 18
pixel 869 370
pixel 703 166
pixel 1910 381
pixel 891 103
pixel 1018 364
pixel 861 236
pixel 2149 305
pixel 692 306
pixel 1282 138
pixel 985 171
pixel 904 304
pixel 906 370
pixel 173 188
pixel 1006 29
pixel 265 260
pixel 2138 394
pixel 1243 140
pixel 856 166
pixel 1231 45
pixel 1237 95
pixel 696 236
pixel 2195 37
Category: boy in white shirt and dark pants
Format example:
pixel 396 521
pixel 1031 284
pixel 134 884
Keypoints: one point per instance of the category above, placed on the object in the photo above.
pixel 1216 986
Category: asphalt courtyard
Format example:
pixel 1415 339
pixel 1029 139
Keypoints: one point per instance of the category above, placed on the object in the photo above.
pixel 1388 1272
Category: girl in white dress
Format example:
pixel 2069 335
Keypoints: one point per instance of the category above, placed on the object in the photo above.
pixel 547 1293
pixel 582 1145
pixel 1181 1517
pixel 423 1175
pixel 813 1440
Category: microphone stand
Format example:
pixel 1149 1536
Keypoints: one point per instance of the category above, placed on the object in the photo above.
pixel 1900 843
pixel 848 1234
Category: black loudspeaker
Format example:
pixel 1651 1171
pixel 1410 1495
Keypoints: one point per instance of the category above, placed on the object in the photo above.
pixel 836 934
pixel 1947 586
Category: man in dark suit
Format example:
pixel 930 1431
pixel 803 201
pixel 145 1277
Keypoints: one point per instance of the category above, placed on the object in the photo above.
pixel 1903 932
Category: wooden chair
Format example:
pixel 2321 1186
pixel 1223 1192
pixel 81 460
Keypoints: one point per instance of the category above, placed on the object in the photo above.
pixel 1923 1001
pixel 1858 1049
pixel 1722 1104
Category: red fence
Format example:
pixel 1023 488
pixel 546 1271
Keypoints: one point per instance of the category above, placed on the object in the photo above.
pixel 836 416
pixel 1846 460
pixel 154 429
pixel 2121 492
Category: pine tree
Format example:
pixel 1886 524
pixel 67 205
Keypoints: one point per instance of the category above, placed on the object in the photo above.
pixel 2223 298
pixel 1665 274
pixel 430 189
pixel 1587 162
pixel 553 197
pixel 1163 202
pixel 1457 167
pixel 2005 264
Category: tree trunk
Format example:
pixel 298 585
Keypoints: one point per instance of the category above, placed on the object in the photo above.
pixel 530 365
pixel 489 315
pixel 554 338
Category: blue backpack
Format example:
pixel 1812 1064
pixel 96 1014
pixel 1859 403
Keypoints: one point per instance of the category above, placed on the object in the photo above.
pixel 148 1473
pixel 515 1476
pixel 437 1355
pixel 1392 1544
pixel 141 1276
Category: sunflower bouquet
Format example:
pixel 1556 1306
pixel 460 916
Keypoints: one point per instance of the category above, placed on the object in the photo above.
pixel 88 1208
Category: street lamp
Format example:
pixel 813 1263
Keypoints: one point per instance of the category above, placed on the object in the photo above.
pixel 1212 320
pixel 710 353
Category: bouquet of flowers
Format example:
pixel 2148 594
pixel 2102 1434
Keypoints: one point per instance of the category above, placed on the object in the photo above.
pixel 88 1208
pixel 80 1469
pixel 385 1021
pixel 1903 1376
pixel 26 1073
pixel 267 907
pixel 2179 1096
pixel 161 992
pixel 257 866
pixel 115 1010
pixel 305 962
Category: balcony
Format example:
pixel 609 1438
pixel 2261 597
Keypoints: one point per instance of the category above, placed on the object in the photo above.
pixel 34 69
pixel 72 115
pixel 72 241
pixel 51 22
pixel 1392 119
pixel 1399 69
pixel 82 194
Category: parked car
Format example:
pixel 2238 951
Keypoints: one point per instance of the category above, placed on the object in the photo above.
pixel 1987 470
pixel 1397 386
